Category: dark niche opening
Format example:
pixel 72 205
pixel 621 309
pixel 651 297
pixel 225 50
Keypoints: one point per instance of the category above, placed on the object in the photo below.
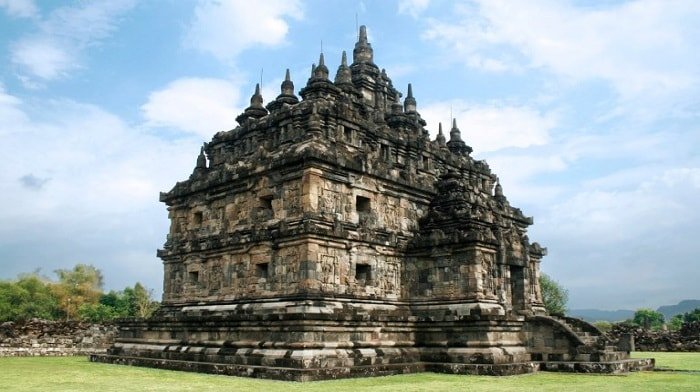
pixel 265 211
pixel 348 134
pixel 384 152
pixel 363 272
pixel 194 277
pixel 198 217
pixel 363 205
pixel 266 203
pixel 261 270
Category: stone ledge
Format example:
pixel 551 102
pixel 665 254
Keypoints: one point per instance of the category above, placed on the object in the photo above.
pixel 613 367
pixel 316 374
pixel 266 372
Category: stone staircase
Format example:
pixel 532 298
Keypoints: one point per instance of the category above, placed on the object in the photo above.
pixel 593 352
pixel 596 346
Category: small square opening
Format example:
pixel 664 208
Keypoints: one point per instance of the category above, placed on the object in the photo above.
pixel 363 205
pixel 424 276
pixel 261 270
pixel 384 152
pixel 266 203
pixel 194 277
pixel 363 272
pixel 348 134
pixel 198 217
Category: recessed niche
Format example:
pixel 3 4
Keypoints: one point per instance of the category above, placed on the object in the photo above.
pixel 261 270
pixel 198 217
pixel 348 134
pixel 363 272
pixel 266 203
pixel 363 205
pixel 384 152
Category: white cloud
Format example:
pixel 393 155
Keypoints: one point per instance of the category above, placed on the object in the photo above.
pixel 13 117
pixel 636 245
pixel 491 127
pixel 55 49
pixel 197 105
pixel 640 47
pixel 226 28
pixel 413 7
pixel 43 58
pixel 610 216
pixel 19 8
pixel 77 182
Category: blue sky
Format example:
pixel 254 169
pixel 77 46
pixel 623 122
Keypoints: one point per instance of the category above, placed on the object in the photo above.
pixel 588 111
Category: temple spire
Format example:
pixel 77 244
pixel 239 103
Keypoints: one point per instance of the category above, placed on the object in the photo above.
pixel 286 94
pixel 318 84
pixel 201 160
pixel 256 108
pixel 455 134
pixel 363 52
pixel 440 139
pixel 396 107
pixel 256 100
pixel 320 71
pixel 344 75
pixel 200 169
pixel 287 87
pixel 456 144
pixel 410 102
pixel 362 38
pixel 498 193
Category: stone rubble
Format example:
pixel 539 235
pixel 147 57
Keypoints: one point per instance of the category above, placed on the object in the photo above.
pixel 685 339
pixel 37 337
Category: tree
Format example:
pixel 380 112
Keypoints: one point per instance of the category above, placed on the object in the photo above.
pixel 76 295
pixel 97 313
pixel 76 287
pixel 693 316
pixel 131 302
pixel 144 306
pixel 28 297
pixel 676 322
pixel 554 295
pixel 648 319
pixel 605 326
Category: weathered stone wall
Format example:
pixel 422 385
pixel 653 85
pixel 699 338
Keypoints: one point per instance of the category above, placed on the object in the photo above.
pixel 54 338
pixel 685 339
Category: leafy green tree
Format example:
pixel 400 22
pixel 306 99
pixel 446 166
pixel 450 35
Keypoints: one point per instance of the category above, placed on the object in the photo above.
pixel 28 297
pixel 76 287
pixel 554 295
pixel 605 326
pixel 676 322
pixel 117 301
pixel 143 304
pixel 648 319
pixel 97 313
pixel 693 316
pixel 131 302
pixel 76 295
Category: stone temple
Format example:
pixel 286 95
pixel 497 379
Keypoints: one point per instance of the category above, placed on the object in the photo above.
pixel 327 236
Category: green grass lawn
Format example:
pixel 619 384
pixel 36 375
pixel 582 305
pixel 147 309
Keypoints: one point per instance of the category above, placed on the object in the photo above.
pixel 77 374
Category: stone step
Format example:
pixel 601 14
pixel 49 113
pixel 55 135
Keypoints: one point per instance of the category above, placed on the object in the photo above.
pixel 609 367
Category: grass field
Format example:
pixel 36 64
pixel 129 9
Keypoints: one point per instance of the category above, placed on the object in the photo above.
pixel 77 374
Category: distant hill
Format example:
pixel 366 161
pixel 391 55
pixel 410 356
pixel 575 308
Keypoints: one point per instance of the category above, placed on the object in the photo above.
pixel 684 306
pixel 592 315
